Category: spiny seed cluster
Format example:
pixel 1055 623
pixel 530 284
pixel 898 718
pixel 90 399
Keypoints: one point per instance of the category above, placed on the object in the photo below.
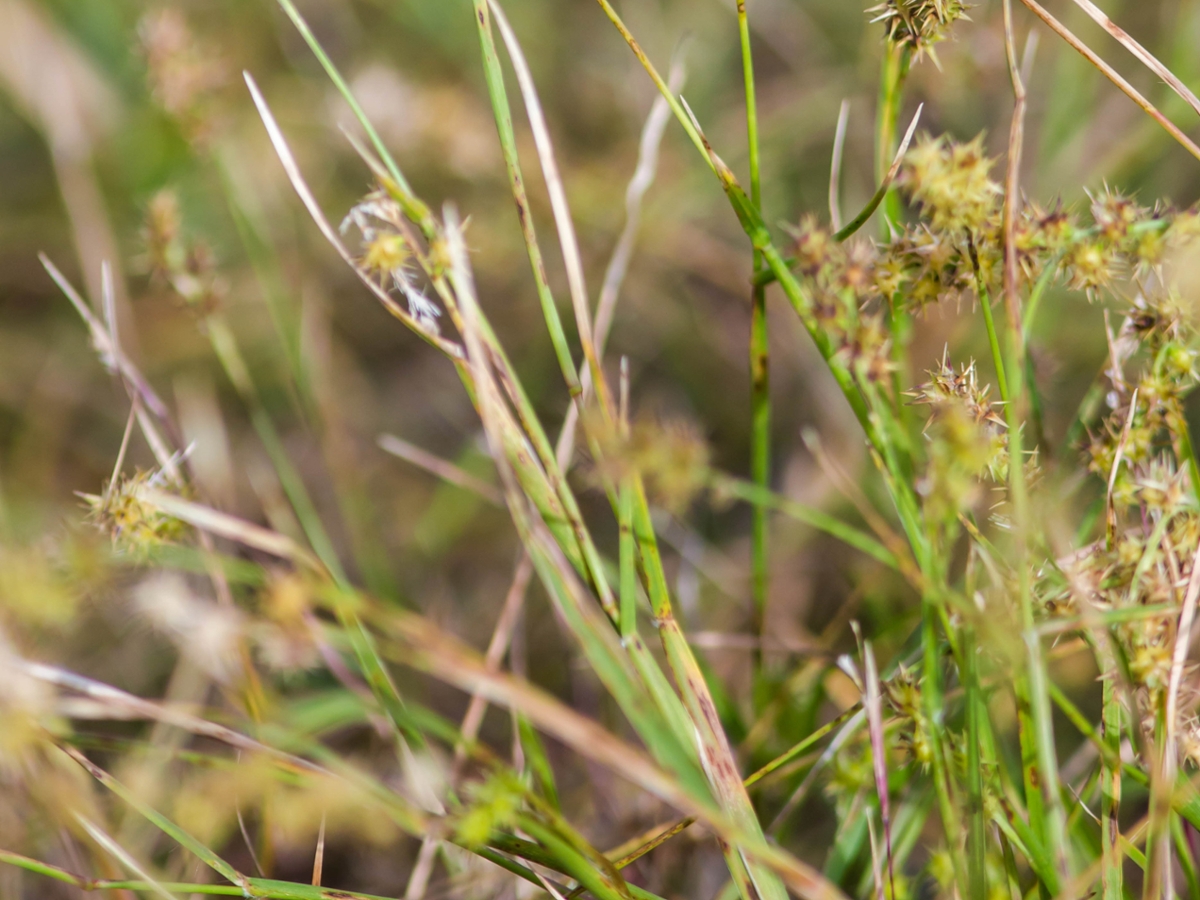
pixel 843 280
pixel 967 440
pixel 951 183
pixel 133 524
pixel 186 266
pixel 670 456
pixel 918 24
pixel 1141 452
pixel 956 245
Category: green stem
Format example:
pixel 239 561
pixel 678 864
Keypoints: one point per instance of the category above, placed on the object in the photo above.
pixel 225 346
pixel 1111 791
pixel 760 397
pixel 985 304
pixel 1038 720
pixel 344 89
pixel 760 445
pixel 628 564
pixel 494 76
pixel 891 94
pixel 788 755
pixel 809 515
pixel 976 822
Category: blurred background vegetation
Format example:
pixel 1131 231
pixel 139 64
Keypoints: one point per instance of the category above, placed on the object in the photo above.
pixel 107 104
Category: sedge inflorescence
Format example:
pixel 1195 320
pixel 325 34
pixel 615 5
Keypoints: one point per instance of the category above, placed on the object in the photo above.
pixel 918 24
pixel 1140 451
pixel 388 254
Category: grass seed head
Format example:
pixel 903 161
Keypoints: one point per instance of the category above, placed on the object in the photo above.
pixel 183 72
pixel 670 455
pixel 133 524
pixel 188 268
pixel 952 184
pixel 918 24
pixel 814 248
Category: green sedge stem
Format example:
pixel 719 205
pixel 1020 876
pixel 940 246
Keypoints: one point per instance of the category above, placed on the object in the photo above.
pixel 760 396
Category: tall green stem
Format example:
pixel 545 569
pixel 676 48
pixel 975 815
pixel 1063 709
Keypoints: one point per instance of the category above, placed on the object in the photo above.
pixel 1110 792
pixel 891 96
pixel 976 820
pixel 891 93
pixel 760 397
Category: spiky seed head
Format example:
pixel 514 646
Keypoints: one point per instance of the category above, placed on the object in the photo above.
pixel 130 522
pixel 1114 214
pixel 919 24
pixel 1092 265
pixel 386 253
pixel 814 246
pixel 492 804
pixel 952 184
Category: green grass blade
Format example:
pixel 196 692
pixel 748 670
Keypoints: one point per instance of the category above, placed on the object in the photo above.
pixel 538 762
pixel 809 515
pixel 161 822
pixel 976 822
pixel 344 89
pixel 494 76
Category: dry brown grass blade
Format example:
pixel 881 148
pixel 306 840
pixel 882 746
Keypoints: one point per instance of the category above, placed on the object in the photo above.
pixel 106 701
pixel 1183 643
pixel 1165 769
pixel 498 645
pixel 1110 512
pixel 442 656
pixel 426 648
pixel 835 166
pixel 643 177
pixel 319 856
pixel 457 666
pixel 300 186
pixel 1111 74
pixel 230 527
pixel 618 264
pixel 114 849
pixel 443 469
pixel 1148 59
pixel 102 341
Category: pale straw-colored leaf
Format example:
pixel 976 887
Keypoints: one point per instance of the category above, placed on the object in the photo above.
pixel 1111 74
pixel 572 259
pixel 835 166
pixel 230 527
pixel 1148 59
pixel 443 469
pixel 117 852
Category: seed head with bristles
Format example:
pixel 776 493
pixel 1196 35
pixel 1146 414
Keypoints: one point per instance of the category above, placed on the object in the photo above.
pixel 918 23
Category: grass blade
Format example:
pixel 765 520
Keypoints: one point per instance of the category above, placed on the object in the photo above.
pixel 558 204
pixel 1111 74
pixel 494 77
